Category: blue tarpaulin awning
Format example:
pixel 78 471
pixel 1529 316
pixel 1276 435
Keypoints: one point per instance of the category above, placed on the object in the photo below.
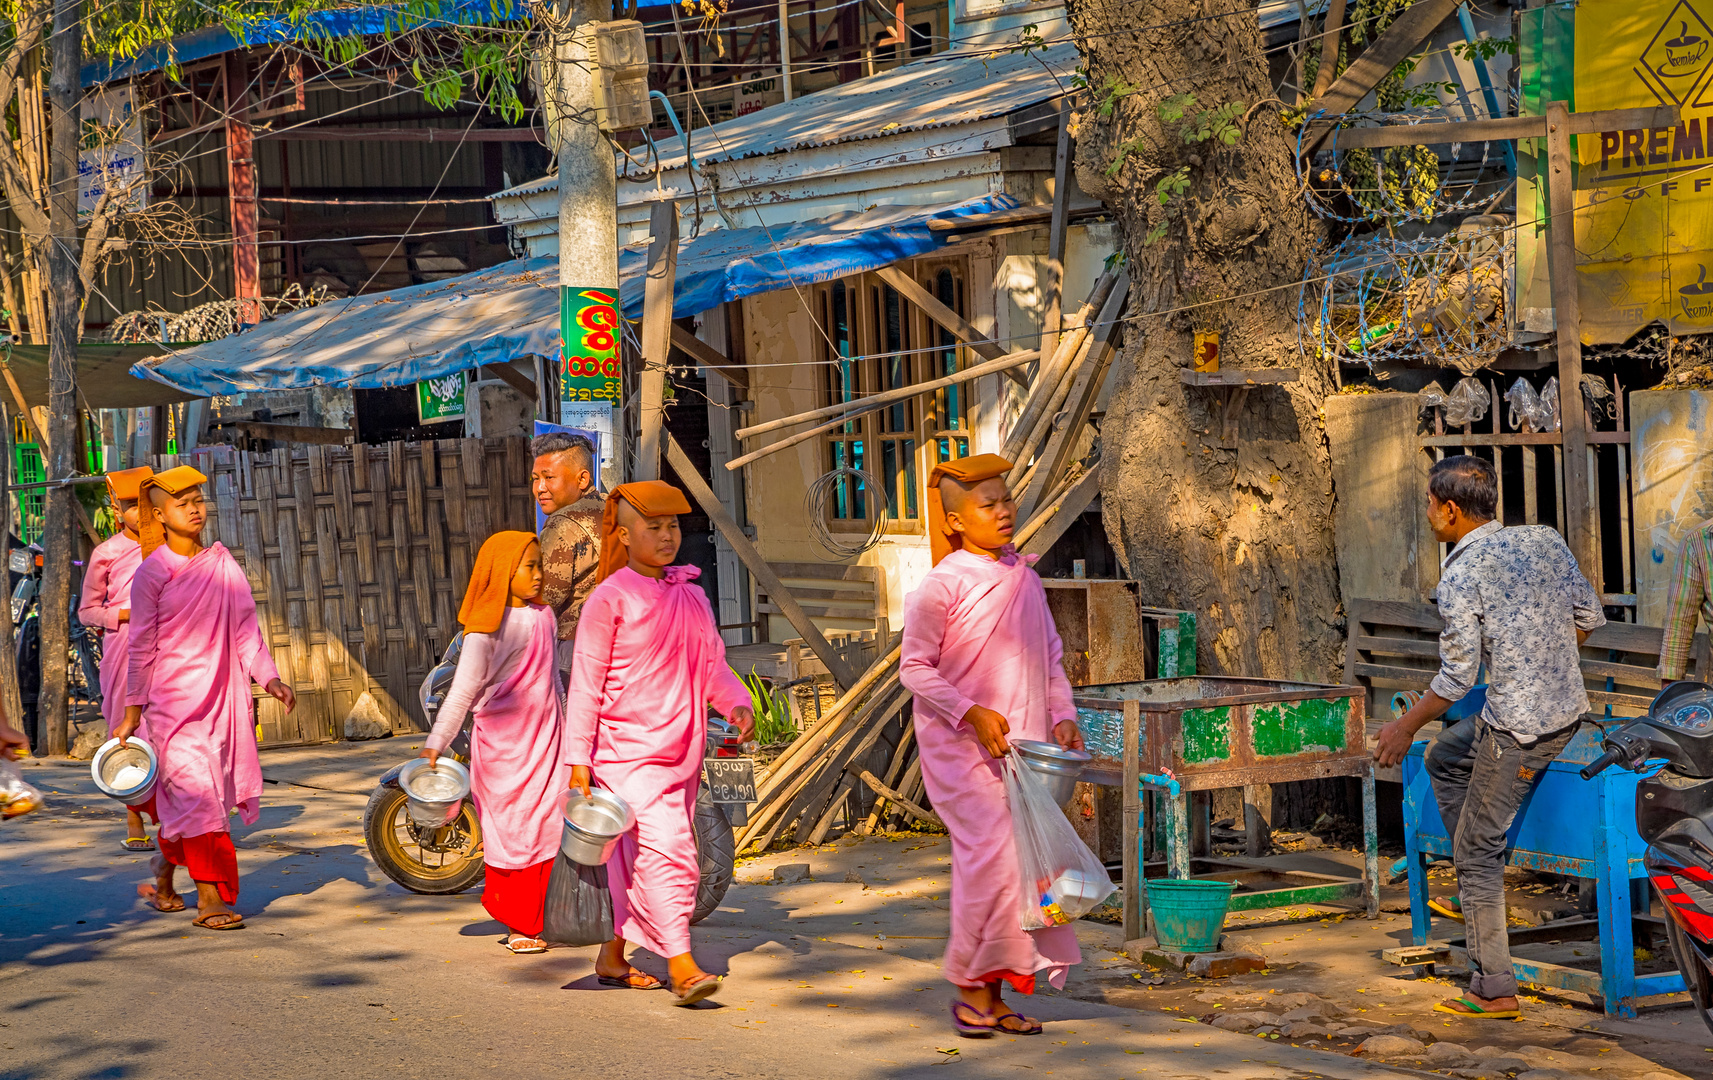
pixel 512 310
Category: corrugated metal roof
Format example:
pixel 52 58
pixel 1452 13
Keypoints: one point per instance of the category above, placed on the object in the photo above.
pixel 936 91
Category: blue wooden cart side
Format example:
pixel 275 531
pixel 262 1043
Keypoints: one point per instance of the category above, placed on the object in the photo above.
pixel 1570 826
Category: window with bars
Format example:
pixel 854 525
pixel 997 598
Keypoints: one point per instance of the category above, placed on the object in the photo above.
pixel 875 341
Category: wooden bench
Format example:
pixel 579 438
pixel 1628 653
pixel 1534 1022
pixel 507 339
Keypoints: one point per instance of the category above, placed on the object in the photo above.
pixel 834 596
pixel 1393 645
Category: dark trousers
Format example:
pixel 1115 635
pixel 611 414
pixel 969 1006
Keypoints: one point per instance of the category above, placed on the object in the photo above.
pixel 1481 775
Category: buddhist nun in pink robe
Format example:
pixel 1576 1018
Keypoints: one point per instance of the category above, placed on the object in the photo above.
pixel 648 663
pixel 107 593
pixel 978 632
pixel 195 649
pixel 508 676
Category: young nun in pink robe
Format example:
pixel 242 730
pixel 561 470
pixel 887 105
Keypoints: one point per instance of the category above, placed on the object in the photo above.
pixel 195 648
pixel 982 657
pixel 648 663
pixel 508 676
pixel 105 606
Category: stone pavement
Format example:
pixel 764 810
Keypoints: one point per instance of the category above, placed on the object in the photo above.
pixel 340 973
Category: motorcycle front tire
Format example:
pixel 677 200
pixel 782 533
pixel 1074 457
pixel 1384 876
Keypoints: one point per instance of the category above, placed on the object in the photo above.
pixel 1695 974
pixel 395 860
pixel 716 855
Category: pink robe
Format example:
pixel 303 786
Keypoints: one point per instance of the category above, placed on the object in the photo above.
pixel 648 663
pixel 195 648
pixel 978 632
pixel 106 592
pixel 510 679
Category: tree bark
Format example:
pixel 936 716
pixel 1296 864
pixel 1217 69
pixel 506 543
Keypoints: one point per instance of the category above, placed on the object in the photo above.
pixel 65 307
pixel 1240 535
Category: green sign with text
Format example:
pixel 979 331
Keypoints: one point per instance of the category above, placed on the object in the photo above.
pixel 440 400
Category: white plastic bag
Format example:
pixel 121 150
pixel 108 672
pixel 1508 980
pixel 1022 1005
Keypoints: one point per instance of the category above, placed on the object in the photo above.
pixel 1061 878
pixel 17 797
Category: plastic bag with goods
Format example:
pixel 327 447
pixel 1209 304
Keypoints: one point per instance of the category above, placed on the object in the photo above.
pixel 17 797
pixel 579 906
pixel 1061 878
pixel 1549 405
pixel 1525 412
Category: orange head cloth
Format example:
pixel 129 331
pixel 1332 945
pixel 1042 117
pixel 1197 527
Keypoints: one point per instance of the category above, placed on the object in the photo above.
pixel 174 482
pixel 650 498
pixel 942 541
pixel 123 485
pixel 491 581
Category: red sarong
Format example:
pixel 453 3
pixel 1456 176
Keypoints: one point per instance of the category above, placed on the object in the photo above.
pixel 148 810
pixel 210 857
pixel 518 898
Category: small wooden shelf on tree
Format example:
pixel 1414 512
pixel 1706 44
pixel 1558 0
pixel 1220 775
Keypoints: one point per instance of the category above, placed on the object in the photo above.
pixel 1232 377
pixel 1236 385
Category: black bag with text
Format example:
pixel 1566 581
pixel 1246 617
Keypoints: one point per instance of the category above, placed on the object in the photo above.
pixel 579 909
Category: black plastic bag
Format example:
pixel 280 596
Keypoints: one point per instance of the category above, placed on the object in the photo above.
pixel 579 907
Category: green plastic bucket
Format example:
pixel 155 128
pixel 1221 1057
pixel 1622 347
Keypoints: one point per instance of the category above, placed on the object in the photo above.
pixel 1188 914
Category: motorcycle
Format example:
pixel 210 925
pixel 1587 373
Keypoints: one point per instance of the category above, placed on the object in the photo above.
pixel 448 859
pixel 1674 814
pixel 83 660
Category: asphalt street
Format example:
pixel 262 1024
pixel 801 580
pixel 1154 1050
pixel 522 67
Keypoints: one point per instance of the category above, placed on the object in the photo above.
pixel 341 973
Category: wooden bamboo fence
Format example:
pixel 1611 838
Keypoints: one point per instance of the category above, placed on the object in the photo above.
pixel 358 557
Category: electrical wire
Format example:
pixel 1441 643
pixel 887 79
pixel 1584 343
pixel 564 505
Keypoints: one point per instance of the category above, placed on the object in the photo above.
pixel 843 488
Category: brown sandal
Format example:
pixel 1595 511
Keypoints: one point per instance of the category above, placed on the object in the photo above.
pixel 700 990
pixel 630 980
pixel 152 897
pixel 233 921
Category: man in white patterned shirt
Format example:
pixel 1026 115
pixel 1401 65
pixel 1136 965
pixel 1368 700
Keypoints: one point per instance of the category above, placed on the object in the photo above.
pixel 1514 601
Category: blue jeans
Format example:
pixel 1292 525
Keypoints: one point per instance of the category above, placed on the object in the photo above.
pixel 1481 775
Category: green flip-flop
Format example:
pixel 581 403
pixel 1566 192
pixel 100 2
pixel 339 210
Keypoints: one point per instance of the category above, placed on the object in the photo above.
pixel 1465 1007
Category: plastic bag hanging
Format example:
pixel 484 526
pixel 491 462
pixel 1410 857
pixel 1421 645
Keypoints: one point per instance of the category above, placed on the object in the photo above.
pixel 1525 412
pixel 1467 402
pixel 1060 879
pixel 1549 405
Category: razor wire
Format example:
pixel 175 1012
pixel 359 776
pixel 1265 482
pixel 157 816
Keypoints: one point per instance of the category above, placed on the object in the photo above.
pixel 1385 194
pixel 1382 298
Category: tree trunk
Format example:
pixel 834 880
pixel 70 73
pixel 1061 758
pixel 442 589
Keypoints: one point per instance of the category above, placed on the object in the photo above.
pixel 1240 534
pixel 65 306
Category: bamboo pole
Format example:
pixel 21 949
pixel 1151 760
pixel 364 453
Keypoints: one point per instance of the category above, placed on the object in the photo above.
pixel 1069 348
pixel 1004 363
pixel 894 769
pixel 927 817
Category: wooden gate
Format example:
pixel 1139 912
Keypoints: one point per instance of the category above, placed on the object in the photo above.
pixel 358 557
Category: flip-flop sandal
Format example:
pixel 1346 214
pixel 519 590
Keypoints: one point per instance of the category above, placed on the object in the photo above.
pixel 151 896
pixel 697 991
pixel 1465 1007
pixel 1444 907
pixel 969 1029
pixel 235 921
pixel 526 946
pixel 628 982
pixel 1029 1027
pixel 137 843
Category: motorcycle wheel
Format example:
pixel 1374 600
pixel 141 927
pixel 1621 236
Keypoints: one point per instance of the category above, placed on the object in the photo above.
pixel 450 865
pixel 1694 968
pixel 715 855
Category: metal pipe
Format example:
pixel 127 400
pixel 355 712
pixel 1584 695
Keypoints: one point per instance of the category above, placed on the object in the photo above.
pixel 785 47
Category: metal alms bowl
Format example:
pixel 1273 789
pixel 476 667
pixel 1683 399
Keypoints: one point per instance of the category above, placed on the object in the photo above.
pixel 593 825
pixel 127 773
pixel 1058 768
pixel 434 796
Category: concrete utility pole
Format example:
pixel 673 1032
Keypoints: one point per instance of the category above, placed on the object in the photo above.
pixel 592 384
pixel 65 316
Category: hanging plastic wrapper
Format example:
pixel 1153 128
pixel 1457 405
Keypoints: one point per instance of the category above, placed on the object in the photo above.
pixel 1526 407
pixel 1061 878
pixel 17 797
pixel 1466 403
pixel 1549 405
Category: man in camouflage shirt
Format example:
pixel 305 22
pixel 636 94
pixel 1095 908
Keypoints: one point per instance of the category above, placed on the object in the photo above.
pixel 563 481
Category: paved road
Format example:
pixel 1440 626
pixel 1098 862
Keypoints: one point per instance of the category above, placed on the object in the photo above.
pixel 342 974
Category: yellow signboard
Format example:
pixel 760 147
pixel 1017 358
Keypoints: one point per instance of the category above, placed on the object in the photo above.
pixel 1644 198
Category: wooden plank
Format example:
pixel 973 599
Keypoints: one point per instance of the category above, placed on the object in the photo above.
pixel 947 319
pixel 709 357
pixel 656 337
pixel 1235 377
pixel 1503 129
pixel 1047 526
pixel 1397 613
pixel 1050 374
pixel 1084 390
pixel 758 568
pixel 1053 288
pixel 513 378
pixel 291 433
pixel 1386 52
pixel 1566 301
pixel 1328 68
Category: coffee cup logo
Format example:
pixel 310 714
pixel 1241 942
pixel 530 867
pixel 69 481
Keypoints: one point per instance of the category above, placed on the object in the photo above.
pixel 1697 299
pixel 1683 53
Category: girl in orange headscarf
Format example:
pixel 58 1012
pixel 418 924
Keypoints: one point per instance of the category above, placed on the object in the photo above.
pixel 509 678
